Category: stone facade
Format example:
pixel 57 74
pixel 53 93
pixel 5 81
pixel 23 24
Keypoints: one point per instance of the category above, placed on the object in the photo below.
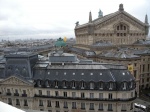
pixel 118 28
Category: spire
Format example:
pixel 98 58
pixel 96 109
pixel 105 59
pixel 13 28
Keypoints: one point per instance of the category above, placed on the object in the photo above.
pixel 100 14
pixel 121 7
pixel 90 17
pixel 146 19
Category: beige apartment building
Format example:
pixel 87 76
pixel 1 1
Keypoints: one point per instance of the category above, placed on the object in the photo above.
pixel 65 84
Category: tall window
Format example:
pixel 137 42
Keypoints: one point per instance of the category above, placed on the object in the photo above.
pixel 25 102
pixel 82 95
pixel 48 93
pixel 91 95
pixel 65 104
pixel 91 85
pixel 10 101
pixel 65 94
pixel 82 105
pixel 17 102
pixel 101 95
pixel 100 106
pixel 40 102
pixel 91 106
pixel 123 107
pixel 110 95
pixel 110 107
pixel 57 104
pixel 48 103
pixel 40 92
pixel 74 105
pixel 73 94
pixel 56 93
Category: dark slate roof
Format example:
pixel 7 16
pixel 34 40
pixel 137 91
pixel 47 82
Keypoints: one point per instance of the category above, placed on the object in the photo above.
pixel 142 42
pixel 85 75
pixel 121 54
pixel 77 75
pixel 142 52
pixel 20 54
pixel 81 51
pixel 122 75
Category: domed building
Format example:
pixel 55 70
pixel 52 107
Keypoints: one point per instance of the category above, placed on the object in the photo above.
pixel 63 83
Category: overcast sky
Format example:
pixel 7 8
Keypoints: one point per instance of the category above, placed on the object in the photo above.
pixel 26 19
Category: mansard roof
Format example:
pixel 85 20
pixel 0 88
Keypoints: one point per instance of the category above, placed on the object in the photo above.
pixel 87 75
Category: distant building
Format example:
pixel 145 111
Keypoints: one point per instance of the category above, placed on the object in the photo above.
pixel 65 84
pixel 117 28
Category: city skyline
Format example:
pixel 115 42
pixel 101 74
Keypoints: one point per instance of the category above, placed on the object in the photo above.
pixel 24 19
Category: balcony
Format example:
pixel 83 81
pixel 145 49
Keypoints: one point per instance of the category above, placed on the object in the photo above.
pixel 16 94
pixel 89 99
pixel 8 94
pixel 24 95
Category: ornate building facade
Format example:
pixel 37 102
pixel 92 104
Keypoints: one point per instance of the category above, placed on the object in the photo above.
pixel 64 84
pixel 118 28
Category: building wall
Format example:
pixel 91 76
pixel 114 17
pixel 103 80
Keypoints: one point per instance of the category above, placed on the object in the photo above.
pixel 36 98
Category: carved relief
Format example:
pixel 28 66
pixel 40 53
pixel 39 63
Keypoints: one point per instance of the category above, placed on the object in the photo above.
pixel 14 81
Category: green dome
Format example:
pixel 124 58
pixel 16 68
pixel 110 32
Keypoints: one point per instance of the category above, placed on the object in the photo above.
pixel 60 43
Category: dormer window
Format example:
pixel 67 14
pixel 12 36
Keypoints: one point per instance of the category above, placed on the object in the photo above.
pixel 73 84
pixel 39 83
pixel 131 85
pixel 101 85
pixel 124 85
pixel 110 86
pixel 91 85
pixel 47 83
pixel 56 84
pixel 64 84
pixel 82 85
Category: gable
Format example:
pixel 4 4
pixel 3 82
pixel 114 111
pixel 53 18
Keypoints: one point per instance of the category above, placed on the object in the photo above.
pixel 13 80
pixel 107 25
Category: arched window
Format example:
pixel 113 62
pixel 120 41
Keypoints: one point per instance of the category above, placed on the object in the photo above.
pixel 131 84
pixel 121 29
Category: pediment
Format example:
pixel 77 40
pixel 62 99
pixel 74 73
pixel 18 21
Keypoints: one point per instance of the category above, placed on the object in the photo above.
pixel 107 23
pixel 13 80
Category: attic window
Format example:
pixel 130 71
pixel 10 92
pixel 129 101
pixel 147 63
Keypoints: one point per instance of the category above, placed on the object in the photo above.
pixel 91 74
pixel 100 74
pixel 82 73
pixel 123 73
